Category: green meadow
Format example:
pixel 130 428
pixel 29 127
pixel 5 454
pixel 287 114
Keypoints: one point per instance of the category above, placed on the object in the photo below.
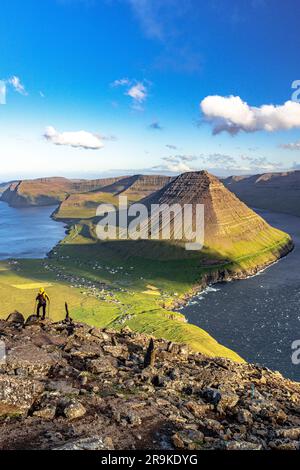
pixel 117 284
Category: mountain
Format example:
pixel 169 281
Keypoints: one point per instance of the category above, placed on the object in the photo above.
pixel 233 233
pixel 84 205
pixel 71 386
pixel 54 190
pixel 138 186
pixel 49 191
pixel 279 192
pixel 5 185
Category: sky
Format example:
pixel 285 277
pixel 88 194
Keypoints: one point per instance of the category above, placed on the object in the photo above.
pixel 90 88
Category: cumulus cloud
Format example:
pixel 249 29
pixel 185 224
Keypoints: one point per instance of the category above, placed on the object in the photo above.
pixel 220 164
pixel 291 146
pixel 231 114
pixel 175 167
pixel 136 90
pixel 176 164
pixel 243 163
pixel 81 139
pixel 18 86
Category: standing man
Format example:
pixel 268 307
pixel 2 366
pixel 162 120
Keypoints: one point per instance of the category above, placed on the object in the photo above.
pixel 42 299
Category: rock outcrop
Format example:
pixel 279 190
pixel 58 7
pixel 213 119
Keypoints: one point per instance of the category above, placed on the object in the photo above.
pixel 70 386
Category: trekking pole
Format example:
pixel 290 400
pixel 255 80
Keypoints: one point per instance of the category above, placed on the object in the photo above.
pixel 34 308
pixel 67 312
pixel 49 310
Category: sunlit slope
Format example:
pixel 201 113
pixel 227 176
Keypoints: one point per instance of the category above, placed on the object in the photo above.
pixel 84 205
pixel 233 233
pixel 122 302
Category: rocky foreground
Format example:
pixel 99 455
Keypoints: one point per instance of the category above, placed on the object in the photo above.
pixel 71 386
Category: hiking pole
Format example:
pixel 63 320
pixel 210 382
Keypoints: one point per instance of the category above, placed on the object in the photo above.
pixel 67 312
pixel 49 310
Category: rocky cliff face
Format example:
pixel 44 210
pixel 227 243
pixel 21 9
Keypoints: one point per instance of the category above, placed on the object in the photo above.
pixel 138 186
pixel 231 229
pixel 71 386
pixel 279 192
pixel 144 185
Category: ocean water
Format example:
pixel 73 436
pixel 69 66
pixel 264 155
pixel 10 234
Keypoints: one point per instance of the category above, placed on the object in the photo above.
pixel 259 317
pixel 28 232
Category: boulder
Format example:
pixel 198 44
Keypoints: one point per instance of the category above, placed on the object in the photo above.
pixel 19 392
pixel 48 412
pixel 16 317
pixel 211 395
pixel 32 320
pixel 74 409
pixel 289 433
pixel 88 443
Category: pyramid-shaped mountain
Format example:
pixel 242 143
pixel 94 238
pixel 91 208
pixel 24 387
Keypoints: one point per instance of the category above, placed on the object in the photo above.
pixel 231 229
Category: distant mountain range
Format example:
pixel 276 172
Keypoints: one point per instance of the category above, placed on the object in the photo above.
pixel 234 234
pixel 278 192
pixel 54 190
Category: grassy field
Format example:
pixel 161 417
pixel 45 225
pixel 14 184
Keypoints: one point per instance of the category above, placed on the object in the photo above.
pixel 108 286
pixel 133 300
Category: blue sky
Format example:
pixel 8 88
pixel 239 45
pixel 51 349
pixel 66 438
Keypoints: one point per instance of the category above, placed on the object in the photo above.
pixel 116 86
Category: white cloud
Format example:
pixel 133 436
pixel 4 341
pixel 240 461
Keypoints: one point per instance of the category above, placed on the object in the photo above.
pixel 16 83
pixel 80 139
pixel 120 82
pixel 232 114
pixel 176 164
pixel 176 167
pixel 179 167
pixel 291 146
pixel 219 162
pixel 138 92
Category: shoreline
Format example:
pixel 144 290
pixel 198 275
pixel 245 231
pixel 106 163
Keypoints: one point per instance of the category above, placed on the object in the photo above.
pixel 225 275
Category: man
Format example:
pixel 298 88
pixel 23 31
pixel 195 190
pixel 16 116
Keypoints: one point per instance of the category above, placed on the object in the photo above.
pixel 42 299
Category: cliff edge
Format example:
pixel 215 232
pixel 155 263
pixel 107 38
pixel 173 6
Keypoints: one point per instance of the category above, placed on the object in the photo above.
pixel 71 386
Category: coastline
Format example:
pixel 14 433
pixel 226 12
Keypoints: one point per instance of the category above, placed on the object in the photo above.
pixel 228 275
